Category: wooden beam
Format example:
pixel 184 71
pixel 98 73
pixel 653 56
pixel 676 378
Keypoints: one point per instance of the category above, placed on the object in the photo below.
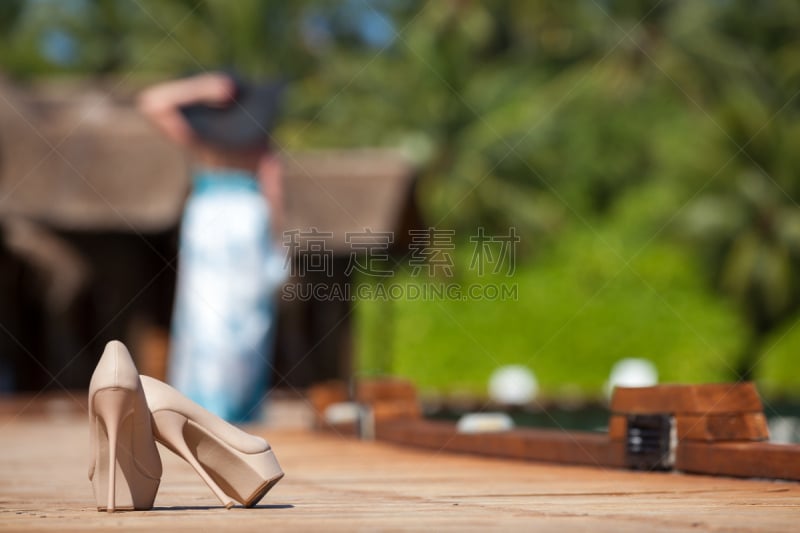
pixel 556 446
pixel 390 410
pixel 709 399
pixel 710 428
pixel 374 390
pixel 618 427
pixel 740 459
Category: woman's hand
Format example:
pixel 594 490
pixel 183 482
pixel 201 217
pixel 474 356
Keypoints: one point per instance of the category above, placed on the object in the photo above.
pixel 213 88
pixel 160 103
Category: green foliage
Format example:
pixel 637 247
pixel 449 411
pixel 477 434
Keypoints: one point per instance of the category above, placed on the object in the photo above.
pixel 777 361
pixel 597 297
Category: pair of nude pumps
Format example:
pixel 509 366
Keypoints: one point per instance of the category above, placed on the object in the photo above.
pixel 128 413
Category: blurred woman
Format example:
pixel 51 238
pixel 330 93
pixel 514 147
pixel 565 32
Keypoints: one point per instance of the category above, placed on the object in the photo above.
pixel 229 269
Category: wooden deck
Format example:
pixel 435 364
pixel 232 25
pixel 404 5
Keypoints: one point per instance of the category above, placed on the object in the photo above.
pixel 337 483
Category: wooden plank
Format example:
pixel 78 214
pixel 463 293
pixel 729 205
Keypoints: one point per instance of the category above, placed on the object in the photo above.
pixel 707 399
pixel 374 390
pixel 323 395
pixel 555 446
pixel 388 399
pixel 740 459
pixel 710 428
pixel 617 427
pixel 739 427
pixel 393 410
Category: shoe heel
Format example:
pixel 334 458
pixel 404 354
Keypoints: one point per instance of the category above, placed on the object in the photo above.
pixel 269 472
pixel 170 431
pixel 112 407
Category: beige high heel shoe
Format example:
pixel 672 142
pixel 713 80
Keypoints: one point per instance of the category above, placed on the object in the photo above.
pixel 126 469
pixel 234 464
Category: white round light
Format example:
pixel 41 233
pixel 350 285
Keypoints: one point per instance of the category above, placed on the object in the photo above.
pixel 631 372
pixel 484 423
pixel 513 385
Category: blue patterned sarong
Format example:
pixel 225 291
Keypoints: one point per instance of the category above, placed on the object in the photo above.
pixel 224 317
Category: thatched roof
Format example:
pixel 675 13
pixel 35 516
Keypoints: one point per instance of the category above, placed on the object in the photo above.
pixel 73 157
pixel 77 159
pixel 347 191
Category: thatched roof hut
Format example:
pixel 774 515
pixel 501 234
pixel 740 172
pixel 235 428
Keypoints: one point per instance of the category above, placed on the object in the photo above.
pixel 75 158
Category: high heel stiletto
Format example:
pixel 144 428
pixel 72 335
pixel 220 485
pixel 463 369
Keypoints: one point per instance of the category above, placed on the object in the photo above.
pixel 235 465
pixel 126 468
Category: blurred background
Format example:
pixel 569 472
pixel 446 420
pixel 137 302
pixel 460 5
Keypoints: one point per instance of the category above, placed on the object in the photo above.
pixel 646 153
